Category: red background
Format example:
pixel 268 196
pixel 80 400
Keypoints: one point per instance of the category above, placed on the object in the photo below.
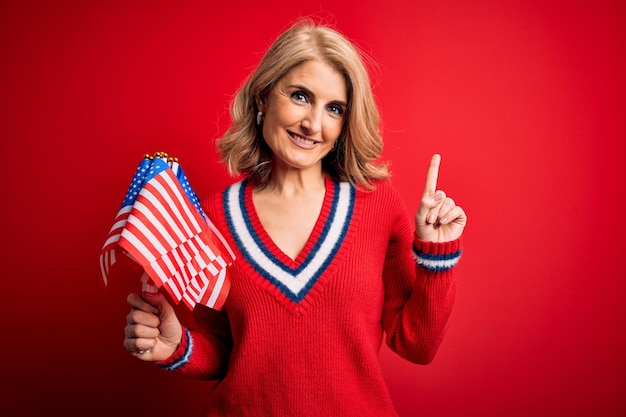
pixel 524 100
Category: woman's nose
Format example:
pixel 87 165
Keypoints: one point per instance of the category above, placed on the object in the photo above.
pixel 312 122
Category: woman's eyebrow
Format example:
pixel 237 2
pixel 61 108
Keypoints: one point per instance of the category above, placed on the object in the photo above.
pixel 300 87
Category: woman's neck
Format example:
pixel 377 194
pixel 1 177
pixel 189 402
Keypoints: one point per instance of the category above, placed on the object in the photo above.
pixel 291 182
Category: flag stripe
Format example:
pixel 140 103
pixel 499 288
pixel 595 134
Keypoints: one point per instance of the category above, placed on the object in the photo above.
pixel 207 293
pixel 218 295
pixel 165 200
pixel 106 262
pixel 171 218
pixel 178 279
pixel 140 243
pixel 154 218
pixel 117 228
pixel 179 201
pixel 190 212
pixel 154 241
pixel 224 247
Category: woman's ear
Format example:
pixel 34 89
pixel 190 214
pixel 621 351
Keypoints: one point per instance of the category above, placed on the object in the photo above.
pixel 260 104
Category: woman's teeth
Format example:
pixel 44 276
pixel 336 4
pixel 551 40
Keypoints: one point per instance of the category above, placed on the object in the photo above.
pixel 303 140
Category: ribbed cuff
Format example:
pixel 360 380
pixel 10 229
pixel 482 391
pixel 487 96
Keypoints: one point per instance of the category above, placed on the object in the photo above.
pixel 181 356
pixel 435 256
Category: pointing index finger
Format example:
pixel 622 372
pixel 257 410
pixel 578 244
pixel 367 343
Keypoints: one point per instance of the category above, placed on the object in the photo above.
pixel 432 174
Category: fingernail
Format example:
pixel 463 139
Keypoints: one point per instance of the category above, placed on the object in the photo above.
pixel 443 221
pixel 430 219
pixel 437 196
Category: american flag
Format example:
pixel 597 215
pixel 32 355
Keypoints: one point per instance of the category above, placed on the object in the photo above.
pixel 163 228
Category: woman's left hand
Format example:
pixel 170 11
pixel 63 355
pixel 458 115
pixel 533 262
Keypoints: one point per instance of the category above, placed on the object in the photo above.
pixel 438 218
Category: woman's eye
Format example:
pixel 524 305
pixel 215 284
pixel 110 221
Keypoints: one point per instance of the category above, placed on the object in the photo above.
pixel 299 96
pixel 335 109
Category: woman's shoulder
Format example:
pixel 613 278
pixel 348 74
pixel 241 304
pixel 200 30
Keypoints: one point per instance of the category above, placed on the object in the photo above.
pixel 214 200
pixel 381 189
pixel 384 196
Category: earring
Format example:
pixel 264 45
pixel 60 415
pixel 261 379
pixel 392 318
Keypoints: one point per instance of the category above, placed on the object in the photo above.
pixel 259 118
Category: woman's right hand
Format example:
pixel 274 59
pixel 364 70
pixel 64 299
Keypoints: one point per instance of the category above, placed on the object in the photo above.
pixel 152 332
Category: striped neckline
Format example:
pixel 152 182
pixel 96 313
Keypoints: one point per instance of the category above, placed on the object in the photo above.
pixel 293 278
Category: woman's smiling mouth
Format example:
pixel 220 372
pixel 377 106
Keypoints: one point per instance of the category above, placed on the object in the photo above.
pixel 299 140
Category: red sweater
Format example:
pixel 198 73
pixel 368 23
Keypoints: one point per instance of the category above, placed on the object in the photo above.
pixel 302 338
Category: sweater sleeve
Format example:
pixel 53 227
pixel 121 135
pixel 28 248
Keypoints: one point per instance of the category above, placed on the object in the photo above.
pixel 420 288
pixel 204 349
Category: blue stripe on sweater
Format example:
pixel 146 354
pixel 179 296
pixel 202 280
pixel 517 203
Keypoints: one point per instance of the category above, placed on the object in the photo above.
pixel 295 283
pixel 436 263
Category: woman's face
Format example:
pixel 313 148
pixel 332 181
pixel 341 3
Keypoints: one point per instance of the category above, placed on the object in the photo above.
pixel 304 114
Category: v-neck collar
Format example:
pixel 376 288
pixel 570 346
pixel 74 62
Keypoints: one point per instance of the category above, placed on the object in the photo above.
pixel 293 277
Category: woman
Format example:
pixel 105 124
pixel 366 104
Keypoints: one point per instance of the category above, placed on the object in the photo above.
pixel 328 261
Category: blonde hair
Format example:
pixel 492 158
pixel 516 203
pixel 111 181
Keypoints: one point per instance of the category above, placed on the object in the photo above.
pixel 360 144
